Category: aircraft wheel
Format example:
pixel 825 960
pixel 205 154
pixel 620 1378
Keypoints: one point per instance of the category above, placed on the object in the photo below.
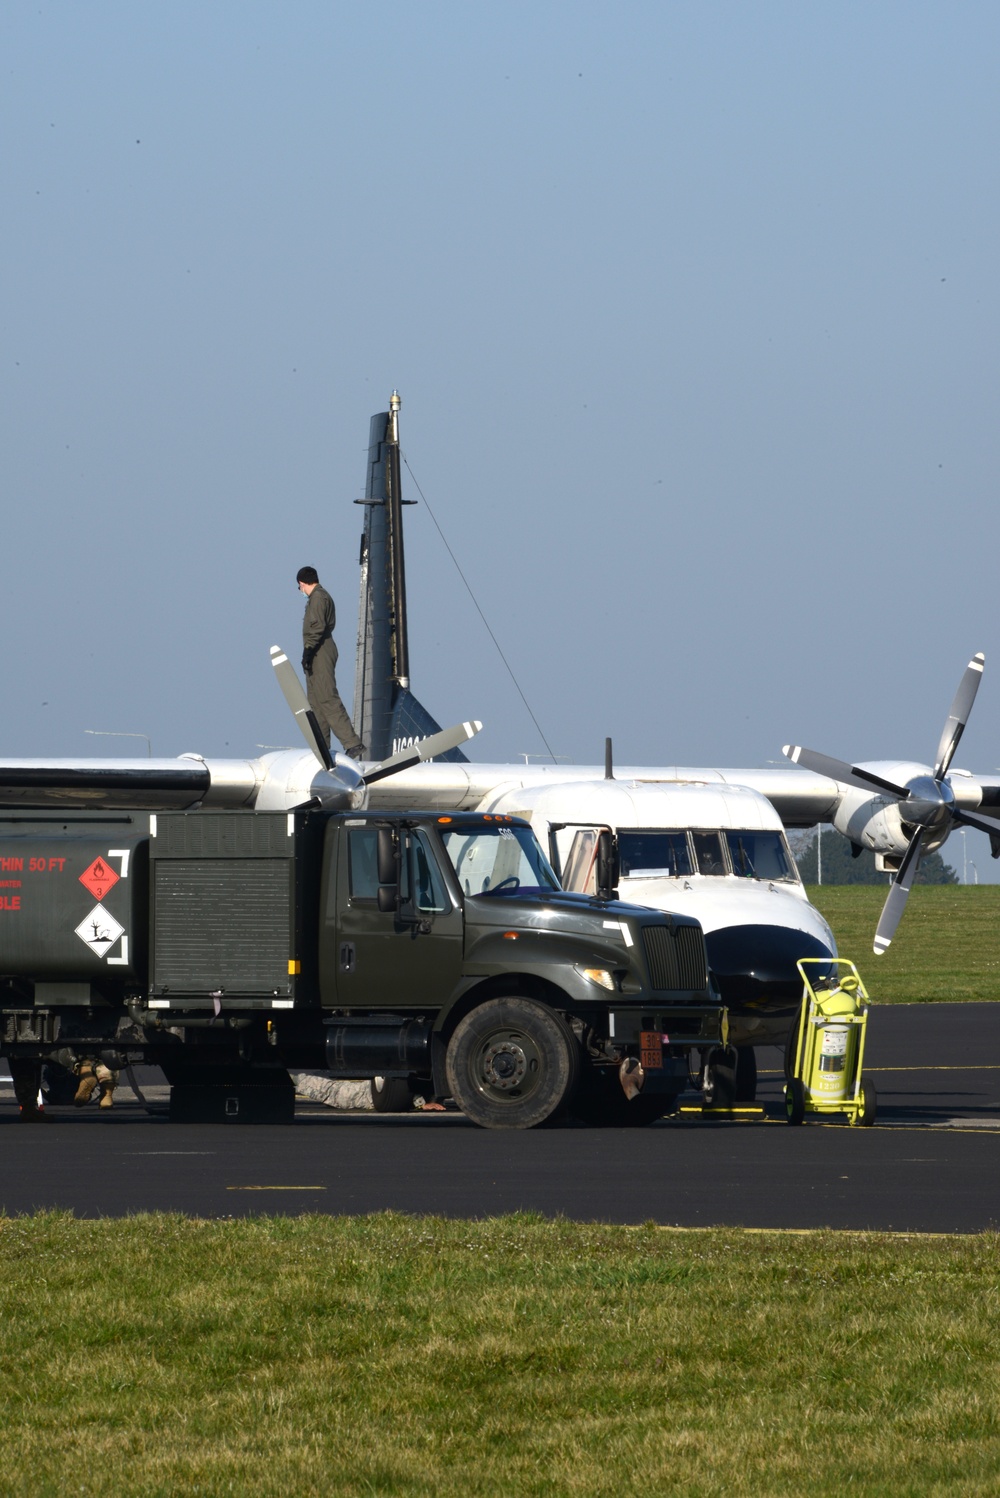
pixel 391 1095
pixel 718 1083
pixel 795 1101
pixel 746 1074
pixel 869 1104
pixel 511 1064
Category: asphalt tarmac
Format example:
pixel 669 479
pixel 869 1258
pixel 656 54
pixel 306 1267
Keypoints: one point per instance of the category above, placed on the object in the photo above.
pixel 930 1164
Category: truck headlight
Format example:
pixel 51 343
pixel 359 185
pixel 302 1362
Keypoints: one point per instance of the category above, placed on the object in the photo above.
pixel 600 976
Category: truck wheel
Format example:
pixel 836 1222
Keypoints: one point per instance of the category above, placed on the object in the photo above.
pixel 869 1104
pixel 746 1074
pixel 391 1095
pixel 511 1064
pixel 795 1101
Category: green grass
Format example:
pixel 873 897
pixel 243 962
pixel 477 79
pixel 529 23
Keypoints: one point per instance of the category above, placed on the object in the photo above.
pixel 392 1355
pixel 947 946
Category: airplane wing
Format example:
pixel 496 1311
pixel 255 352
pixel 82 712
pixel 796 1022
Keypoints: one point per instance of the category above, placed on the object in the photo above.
pixel 158 784
pixel 800 798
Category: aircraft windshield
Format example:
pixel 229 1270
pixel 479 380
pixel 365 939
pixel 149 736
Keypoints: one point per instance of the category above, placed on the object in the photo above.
pixel 759 855
pixel 498 860
pixel 654 855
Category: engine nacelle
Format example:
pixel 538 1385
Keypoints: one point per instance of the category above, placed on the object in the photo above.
pixel 877 821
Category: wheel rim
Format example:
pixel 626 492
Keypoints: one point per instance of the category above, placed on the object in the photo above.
pixel 507 1066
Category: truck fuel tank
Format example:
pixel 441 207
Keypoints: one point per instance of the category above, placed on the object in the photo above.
pixel 73 898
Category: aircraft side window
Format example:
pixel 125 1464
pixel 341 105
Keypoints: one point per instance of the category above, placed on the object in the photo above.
pixel 759 855
pixel 578 874
pixel 708 852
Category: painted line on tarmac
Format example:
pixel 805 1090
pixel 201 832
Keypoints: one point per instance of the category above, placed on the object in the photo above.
pixel 901 1068
pixel 275 1188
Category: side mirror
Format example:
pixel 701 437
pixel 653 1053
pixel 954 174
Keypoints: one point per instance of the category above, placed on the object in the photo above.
pixel 387 855
pixel 607 867
pixel 387 862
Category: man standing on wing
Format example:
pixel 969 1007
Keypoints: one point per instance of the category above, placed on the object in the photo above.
pixel 319 662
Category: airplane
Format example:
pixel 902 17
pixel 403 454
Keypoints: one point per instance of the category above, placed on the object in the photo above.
pixel 748 897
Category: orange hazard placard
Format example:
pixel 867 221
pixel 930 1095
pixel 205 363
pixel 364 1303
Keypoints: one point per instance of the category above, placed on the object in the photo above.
pixel 99 878
pixel 650 1050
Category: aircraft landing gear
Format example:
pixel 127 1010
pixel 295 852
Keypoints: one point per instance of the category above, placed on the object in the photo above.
pixel 718 1077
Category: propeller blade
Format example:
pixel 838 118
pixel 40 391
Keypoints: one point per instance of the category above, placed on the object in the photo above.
pixel 989 825
pixel 899 892
pixel 438 743
pixel 959 714
pixel 299 704
pixel 838 769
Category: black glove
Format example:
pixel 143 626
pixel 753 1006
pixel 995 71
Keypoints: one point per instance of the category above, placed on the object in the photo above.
pixel 308 656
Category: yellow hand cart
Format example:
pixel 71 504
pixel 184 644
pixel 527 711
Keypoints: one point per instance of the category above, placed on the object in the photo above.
pixel 824 1075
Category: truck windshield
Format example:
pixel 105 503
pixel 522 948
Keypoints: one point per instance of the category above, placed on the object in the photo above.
pixel 759 855
pixel 498 860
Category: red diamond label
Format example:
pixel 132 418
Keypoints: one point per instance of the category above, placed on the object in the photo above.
pixel 99 878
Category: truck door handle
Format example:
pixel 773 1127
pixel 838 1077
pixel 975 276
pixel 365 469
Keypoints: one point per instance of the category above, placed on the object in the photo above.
pixel 347 958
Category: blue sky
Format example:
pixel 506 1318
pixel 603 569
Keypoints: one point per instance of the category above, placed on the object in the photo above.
pixel 692 307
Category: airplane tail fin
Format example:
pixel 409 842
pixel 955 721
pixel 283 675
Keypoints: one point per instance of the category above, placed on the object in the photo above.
pixel 410 721
pixel 386 715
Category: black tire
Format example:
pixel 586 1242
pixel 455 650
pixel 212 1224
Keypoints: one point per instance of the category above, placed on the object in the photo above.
pixel 511 1064
pixel 795 1101
pixel 746 1074
pixel 391 1095
pixel 600 1103
pixel 718 1087
pixel 869 1104
pixel 59 1085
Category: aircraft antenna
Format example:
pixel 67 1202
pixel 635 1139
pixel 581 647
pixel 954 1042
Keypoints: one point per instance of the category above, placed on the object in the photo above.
pixel 479 611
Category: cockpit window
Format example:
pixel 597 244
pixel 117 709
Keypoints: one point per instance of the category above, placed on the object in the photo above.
pixel 498 860
pixel 759 855
pixel 708 855
pixel 654 855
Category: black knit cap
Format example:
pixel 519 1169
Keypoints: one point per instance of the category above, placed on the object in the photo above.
pixel 307 575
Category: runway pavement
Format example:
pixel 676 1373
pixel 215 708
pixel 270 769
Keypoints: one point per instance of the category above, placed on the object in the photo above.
pixel 930 1163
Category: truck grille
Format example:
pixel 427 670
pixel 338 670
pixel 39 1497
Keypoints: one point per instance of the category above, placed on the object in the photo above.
pixel 675 956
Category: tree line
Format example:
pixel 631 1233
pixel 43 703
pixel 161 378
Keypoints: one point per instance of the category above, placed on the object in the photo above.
pixel 839 867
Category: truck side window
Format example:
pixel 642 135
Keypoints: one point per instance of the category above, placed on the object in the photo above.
pixel 363 864
pixel 579 867
pixel 428 887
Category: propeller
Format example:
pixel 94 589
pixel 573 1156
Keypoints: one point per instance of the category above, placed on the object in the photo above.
pixel 437 743
pixel 927 802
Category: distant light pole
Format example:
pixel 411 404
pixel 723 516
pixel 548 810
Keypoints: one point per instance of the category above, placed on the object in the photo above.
pixel 975 874
pixel 965 857
pixel 110 733
pixel 819 853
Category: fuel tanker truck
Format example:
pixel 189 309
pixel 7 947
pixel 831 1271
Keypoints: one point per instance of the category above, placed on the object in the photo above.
pixel 228 947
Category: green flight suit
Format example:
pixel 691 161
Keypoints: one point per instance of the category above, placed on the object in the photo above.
pixel 321 682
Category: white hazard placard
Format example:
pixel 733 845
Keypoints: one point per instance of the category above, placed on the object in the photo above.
pixel 99 930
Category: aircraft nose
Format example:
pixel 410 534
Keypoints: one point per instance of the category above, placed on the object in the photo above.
pixel 756 964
